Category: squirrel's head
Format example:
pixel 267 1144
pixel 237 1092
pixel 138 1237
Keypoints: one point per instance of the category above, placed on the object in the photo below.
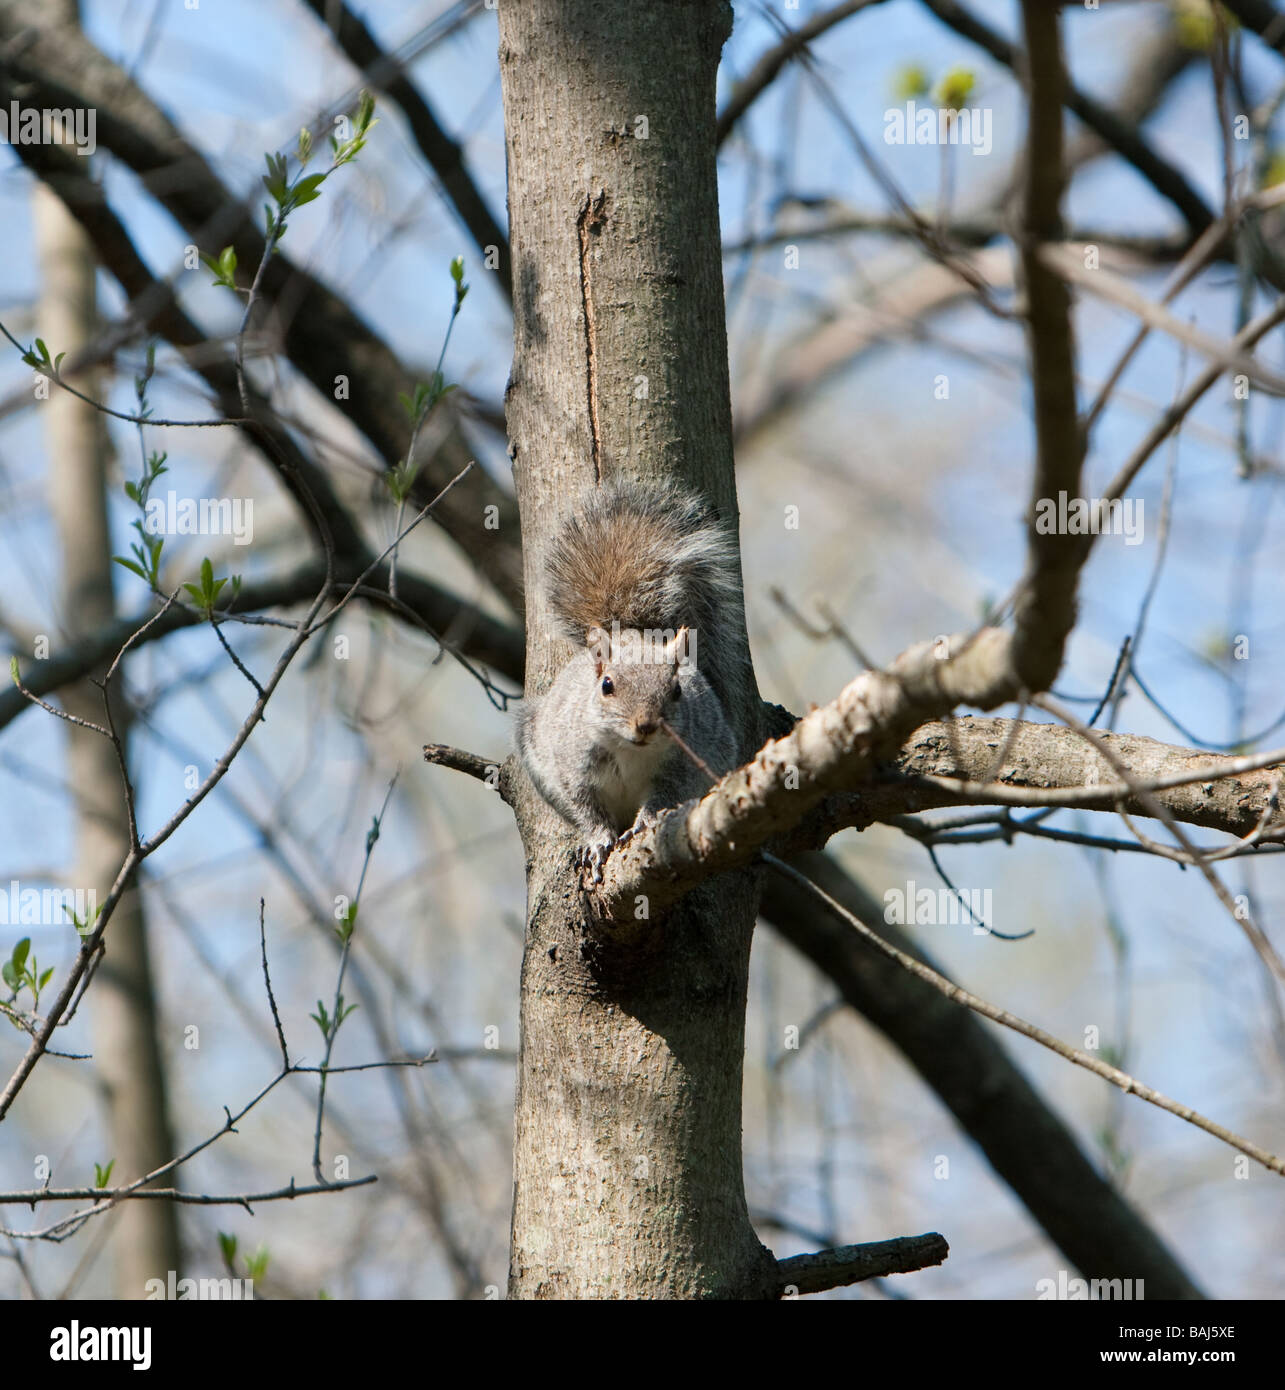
pixel 637 679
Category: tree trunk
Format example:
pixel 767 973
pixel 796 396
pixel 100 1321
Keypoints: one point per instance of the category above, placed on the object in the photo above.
pixel 627 1162
pixel 126 1052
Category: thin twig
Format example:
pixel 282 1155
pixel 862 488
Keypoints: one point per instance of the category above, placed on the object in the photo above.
pixel 267 982
pixel 1130 1085
pixel 1154 806
pixel 850 1264
pixel 337 1008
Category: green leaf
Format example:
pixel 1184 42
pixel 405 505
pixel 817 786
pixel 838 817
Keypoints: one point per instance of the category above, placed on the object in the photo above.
pixel 275 179
pixel 85 927
pixel 306 190
pixel 1195 25
pixel 13 669
pixel 223 268
pixel 11 977
pixel 102 1175
pixel 910 81
pixel 955 88
pixel 130 565
pixel 1275 171
pixel 457 270
pixel 227 1244
pixel 20 951
pixel 45 977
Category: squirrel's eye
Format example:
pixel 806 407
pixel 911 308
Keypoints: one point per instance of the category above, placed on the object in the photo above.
pixel 607 687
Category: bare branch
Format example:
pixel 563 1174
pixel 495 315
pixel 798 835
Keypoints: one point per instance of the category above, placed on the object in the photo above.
pixel 1114 1075
pixel 1045 609
pixel 850 1264
pixel 1157 808
pixel 969 1068
pixel 444 155
pixel 496 643
pixel 322 336
pixel 1166 178
pixel 267 984
pixel 765 71
pixel 1067 261
pixel 460 760
pixel 1048 765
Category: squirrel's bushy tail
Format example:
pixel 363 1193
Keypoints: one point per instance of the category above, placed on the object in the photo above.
pixel 645 555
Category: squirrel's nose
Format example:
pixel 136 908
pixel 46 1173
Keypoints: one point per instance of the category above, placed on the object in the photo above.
pixel 645 727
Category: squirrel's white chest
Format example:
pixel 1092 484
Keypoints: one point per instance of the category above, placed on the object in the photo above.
pixel 625 778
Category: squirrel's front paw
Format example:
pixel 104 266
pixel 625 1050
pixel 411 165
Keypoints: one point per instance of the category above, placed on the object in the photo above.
pixel 592 857
pixel 644 821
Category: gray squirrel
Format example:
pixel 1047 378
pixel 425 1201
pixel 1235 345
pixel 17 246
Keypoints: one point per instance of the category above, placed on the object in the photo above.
pixel 645 581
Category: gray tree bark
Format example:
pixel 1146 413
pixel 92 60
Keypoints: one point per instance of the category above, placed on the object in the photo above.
pixel 627 1163
pixel 127 1059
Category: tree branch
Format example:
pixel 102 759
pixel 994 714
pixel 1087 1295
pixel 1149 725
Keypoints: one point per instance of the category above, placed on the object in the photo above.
pixel 1128 1084
pixel 487 639
pixel 850 1264
pixel 830 772
pixel 972 1073
pixel 321 334
pixel 459 760
pixel 442 153
pixel 1169 181
pixel 1045 610
pixel 948 764
pixel 1263 18
pixel 884 309
pixel 764 72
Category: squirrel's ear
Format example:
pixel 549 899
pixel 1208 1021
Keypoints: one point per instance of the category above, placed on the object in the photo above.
pixel 599 644
pixel 679 646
